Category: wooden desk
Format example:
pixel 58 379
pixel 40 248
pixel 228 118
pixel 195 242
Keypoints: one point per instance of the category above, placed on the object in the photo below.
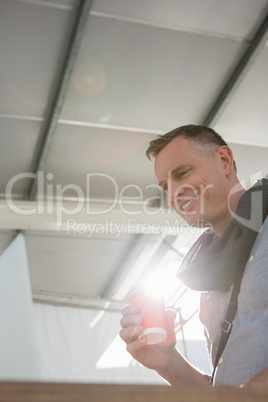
pixel 54 392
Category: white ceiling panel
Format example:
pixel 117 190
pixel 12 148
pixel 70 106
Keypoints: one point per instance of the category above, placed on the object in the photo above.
pixel 78 266
pixel 33 41
pixel 116 158
pixel 140 76
pixel 19 139
pixel 60 4
pixel 230 17
pixel 245 118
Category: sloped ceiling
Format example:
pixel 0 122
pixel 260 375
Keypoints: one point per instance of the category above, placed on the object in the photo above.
pixel 85 85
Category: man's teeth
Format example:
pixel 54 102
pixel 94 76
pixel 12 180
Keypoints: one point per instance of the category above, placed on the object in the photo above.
pixel 188 203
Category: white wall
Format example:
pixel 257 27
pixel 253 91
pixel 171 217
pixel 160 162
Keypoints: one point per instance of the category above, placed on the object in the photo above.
pixel 81 344
pixel 20 359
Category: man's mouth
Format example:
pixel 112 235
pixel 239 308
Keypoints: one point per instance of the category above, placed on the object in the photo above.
pixel 188 203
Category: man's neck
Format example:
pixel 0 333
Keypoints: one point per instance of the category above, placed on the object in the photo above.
pixel 232 206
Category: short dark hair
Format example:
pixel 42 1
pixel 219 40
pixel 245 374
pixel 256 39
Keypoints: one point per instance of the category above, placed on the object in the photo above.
pixel 206 136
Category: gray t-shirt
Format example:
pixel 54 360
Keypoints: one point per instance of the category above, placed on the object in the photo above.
pixel 246 352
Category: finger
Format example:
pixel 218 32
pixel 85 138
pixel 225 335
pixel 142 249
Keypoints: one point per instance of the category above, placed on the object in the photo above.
pixel 130 334
pixel 129 310
pixel 170 319
pixel 134 346
pixel 130 321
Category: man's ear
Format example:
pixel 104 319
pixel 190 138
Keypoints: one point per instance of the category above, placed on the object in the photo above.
pixel 226 159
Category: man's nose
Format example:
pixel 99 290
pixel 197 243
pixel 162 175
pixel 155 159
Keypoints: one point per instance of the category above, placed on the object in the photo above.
pixel 173 194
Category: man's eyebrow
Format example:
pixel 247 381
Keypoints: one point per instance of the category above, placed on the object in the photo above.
pixel 161 183
pixel 171 172
pixel 178 168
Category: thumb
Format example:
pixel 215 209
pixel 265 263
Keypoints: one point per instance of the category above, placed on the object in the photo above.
pixel 170 320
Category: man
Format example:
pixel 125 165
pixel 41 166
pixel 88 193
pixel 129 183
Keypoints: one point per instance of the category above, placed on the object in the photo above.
pixel 195 167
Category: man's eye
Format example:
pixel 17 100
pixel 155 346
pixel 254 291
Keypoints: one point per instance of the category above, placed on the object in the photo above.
pixel 181 174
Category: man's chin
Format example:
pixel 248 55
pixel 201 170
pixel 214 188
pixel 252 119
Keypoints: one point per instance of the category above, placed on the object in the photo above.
pixel 197 222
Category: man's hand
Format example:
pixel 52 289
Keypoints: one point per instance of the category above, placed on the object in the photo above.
pixel 164 358
pixel 157 357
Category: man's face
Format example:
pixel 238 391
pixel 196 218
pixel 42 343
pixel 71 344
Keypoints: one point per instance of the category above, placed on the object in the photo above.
pixel 194 183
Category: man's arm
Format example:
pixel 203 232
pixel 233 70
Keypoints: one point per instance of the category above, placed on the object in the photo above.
pixel 180 371
pixel 163 358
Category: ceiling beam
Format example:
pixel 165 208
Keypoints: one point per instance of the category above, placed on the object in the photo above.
pixel 60 92
pixel 168 26
pixel 86 220
pixel 97 304
pixel 244 65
